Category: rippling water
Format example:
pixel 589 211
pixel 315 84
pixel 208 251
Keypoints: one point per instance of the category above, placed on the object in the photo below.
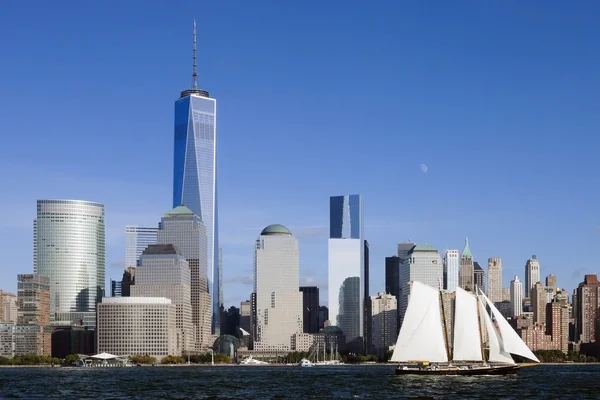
pixel 243 382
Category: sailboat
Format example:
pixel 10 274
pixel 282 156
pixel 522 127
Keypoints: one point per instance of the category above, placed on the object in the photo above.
pixel 423 345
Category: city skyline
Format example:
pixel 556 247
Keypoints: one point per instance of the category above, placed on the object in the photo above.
pixel 84 172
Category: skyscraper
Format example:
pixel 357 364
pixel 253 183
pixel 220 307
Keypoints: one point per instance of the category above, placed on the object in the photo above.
pixel 392 280
pixel 478 276
pixel 195 173
pixel 346 268
pixel 494 288
pixel 451 268
pixel 33 300
pixel 137 238
pixel 532 274
pixel 585 305
pixel 538 302
pixel 467 269
pixel 516 296
pixel 367 328
pixel 276 284
pixel 382 314
pixel 551 282
pixel 310 308
pixel 69 249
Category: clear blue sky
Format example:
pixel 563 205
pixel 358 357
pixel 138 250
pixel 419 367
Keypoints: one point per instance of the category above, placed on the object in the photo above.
pixel 499 100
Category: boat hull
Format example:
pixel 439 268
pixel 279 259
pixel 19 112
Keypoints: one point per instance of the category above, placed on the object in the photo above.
pixel 498 370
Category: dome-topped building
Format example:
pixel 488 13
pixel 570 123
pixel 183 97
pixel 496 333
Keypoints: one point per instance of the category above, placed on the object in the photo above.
pixel 276 229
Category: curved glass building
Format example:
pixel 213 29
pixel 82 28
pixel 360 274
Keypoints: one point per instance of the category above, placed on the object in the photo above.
pixel 68 248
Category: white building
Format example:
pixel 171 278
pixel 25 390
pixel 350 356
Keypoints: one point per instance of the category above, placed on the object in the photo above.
pixel 346 268
pixel 451 268
pixel 383 316
pixel 532 274
pixel 137 326
pixel 516 296
pixel 137 238
pixel 303 341
pixel 163 272
pixel 276 284
pixel 494 286
pixel 423 264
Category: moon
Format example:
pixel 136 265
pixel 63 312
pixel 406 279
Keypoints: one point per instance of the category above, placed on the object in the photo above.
pixel 423 168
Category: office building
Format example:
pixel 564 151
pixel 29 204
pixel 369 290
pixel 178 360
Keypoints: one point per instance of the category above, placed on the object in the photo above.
pixel 73 340
pixel 276 284
pixel 532 274
pixel 10 308
pixel 494 287
pixel 538 302
pixel 323 317
pixel 310 307
pixel 383 316
pixel 551 282
pixel 115 288
pixel 585 307
pixel 124 327
pixel 68 248
pixel 185 230
pixel 164 272
pixel 246 316
pixel 506 294
pixel 195 172
pixel 366 296
pixel 466 272
pixel 33 300
pixel 137 238
pixel 346 268
pixel 392 279
pixel 451 268
pixel 516 296
pixel 127 281
pixel 478 276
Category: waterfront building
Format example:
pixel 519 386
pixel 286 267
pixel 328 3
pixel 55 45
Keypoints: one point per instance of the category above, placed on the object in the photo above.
pixel 535 337
pixel 423 264
pixel 124 327
pixel 33 300
pixel 195 173
pixel 585 307
pixel 494 287
pixel 538 302
pixel 73 340
pixel 18 340
pixel 185 230
pixel 69 249
pixel 164 272
pixel 478 276
pixel 466 272
pixel 303 342
pixel 10 308
pixel 551 282
pixel 383 312
pixel 137 238
pixel 310 307
pixel 532 274
pixel 557 324
pixel 276 284
pixel 346 268
pixel 516 296
pixel 451 268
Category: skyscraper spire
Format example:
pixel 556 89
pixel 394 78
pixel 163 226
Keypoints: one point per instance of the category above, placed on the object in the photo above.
pixel 195 74
pixel 467 252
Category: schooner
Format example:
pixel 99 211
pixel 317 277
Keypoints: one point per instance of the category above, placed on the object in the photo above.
pixel 423 341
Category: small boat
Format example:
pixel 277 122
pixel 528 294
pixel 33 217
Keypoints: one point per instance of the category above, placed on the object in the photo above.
pixel 423 346
pixel 306 363
pixel 251 361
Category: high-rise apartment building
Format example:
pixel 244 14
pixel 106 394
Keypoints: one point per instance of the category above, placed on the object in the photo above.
pixel 383 316
pixel 137 238
pixel 538 302
pixel 586 301
pixel 33 299
pixel 195 172
pixel 532 274
pixel 557 324
pixel 551 282
pixel 346 268
pixel 310 308
pixel 185 230
pixel 478 276
pixel 451 268
pixel 466 272
pixel 494 288
pixel 69 249
pixel 10 308
pixel 164 272
pixel 516 296
pixel 276 284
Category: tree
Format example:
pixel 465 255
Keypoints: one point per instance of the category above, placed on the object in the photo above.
pixel 71 359
pixel 172 360
pixel 137 359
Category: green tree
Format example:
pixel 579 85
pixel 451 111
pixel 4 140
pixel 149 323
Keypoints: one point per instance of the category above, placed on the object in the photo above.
pixel 71 359
pixel 172 360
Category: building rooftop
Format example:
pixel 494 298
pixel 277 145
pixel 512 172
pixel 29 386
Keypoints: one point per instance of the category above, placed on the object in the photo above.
pixel 422 247
pixel 276 229
pixel 160 249
pixel 179 210
pixel 136 300
pixel 466 251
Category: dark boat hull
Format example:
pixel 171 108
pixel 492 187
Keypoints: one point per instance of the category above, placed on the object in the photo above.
pixel 492 370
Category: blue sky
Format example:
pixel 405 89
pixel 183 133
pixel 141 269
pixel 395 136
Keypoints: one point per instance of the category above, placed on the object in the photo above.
pixel 498 99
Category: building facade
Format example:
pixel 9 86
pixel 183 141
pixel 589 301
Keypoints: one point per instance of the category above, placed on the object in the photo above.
pixel 551 282
pixel 467 269
pixel 276 284
pixel 383 313
pixel 69 249
pixel 538 302
pixel 346 268
pixel 127 281
pixel 10 308
pixel 137 238
pixel 33 300
pixel 494 286
pixel 451 268
pixel 478 276
pixel 310 308
pixel 586 302
pixel 516 296
pixel 532 274
pixel 557 324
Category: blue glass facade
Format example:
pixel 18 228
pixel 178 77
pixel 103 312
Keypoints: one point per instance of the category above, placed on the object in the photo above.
pixel 344 218
pixel 194 176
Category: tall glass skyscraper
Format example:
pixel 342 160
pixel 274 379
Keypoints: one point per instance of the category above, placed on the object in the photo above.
pixel 137 238
pixel 346 268
pixel 195 172
pixel 68 248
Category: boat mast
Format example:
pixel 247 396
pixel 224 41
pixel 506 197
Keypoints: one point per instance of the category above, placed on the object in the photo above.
pixel 445 326
pixel 479 316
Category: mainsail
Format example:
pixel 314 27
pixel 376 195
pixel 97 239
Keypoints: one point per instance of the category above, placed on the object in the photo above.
pixel 511 341
pixel 421 336
pixel 497 353
pixel 467 339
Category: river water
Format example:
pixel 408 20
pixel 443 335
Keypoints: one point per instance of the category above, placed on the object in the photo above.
pixel 259 382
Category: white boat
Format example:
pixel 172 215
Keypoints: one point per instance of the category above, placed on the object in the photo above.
pixel 423 346
pixel 306 363
pixel 251 361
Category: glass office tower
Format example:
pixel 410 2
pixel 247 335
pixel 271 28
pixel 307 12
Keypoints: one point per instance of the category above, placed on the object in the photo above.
pixel 68 248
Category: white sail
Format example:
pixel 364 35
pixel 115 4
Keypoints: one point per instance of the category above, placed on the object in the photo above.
pixel 510 339
pixel 467 339
pixel 421 336
pixel 497 353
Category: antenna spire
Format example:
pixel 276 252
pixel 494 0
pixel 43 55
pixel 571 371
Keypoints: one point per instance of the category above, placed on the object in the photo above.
pixel 195 74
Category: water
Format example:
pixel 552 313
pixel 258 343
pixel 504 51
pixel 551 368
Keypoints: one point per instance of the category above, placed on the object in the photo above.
pixel 243 382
